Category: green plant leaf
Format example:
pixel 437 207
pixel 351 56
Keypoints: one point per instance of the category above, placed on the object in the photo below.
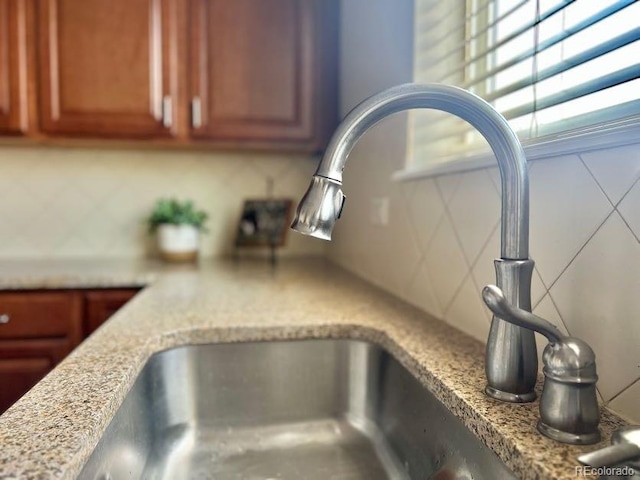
pixel 175 212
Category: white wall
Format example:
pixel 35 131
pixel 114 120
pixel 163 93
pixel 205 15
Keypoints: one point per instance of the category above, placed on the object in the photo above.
pixel 443 234
pixel 57 203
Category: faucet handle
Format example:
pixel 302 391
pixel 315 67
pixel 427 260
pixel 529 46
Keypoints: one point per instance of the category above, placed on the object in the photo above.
pixel 564 356
pixel 568 405
pixel 624 449
pixel 494 299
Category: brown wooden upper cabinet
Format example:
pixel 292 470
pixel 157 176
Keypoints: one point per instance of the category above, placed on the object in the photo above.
pixel 13 58
pixel 105 67
pixel 263 71
pixel 241 74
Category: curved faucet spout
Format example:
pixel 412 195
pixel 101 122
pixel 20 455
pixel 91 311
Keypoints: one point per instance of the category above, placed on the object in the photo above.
pixel 511 363
pixel 471 108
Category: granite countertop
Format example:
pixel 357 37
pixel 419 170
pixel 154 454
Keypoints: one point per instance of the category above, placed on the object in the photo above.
pixel 33 274
pixel 53 429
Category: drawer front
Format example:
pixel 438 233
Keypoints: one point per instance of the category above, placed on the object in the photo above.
pixel 23 363
pixel 27 315
pixel 102 304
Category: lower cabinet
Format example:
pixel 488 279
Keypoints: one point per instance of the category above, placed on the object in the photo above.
pixel 99 305
pixel 39 328
pixel 23 363
pixel 51 314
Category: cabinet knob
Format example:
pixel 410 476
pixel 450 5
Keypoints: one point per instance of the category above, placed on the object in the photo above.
pixel 4 318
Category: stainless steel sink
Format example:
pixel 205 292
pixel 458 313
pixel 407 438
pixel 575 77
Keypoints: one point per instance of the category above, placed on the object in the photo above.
pixel 325 409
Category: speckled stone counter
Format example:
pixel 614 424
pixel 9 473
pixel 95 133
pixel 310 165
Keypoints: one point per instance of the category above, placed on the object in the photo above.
pixel 78 273
pixel 51 431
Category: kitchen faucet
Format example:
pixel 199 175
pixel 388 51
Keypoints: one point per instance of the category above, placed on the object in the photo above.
pixel 511 363
pixel 569 409
pixel 511 360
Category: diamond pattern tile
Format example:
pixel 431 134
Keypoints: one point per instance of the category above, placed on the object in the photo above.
pixel 421 292
pixel 74 246
pixel 15 165
pixel 629 210
pixel 407 191
pixel 394 272
pixel 400 231
pixel 293 179
pixel 19 245
pixel 351 239
pixel 567 207
pixel 448 184
pixel 97 179
pixel 597 298
pixel 475 211
pixel 615 169
pixel 494 174
pixel 6 228
pixel 18 207
pixel 445 263
pixel 626 403
pixel 94 234
pixel 46 178
pixel 79 202
pixel 466 312
pixel 425 210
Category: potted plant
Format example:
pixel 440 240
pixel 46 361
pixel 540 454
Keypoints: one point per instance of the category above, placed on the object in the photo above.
pixel 178 226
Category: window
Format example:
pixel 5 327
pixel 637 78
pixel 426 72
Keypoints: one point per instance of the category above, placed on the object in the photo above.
pixel 551 67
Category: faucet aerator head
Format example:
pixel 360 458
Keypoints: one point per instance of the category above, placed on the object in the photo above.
pixel 319 208
pixel 310 230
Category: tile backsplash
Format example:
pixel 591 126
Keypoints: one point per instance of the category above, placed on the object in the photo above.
pixel 437 251
pixel 58 203
pixel 584 239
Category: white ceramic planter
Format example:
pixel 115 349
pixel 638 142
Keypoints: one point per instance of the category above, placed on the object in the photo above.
pixel 178 243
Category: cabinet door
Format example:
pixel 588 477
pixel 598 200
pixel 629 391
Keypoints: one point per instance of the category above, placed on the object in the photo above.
pixel 28 315
pixel 101 304
pixel 13 58
pixel 23 363
pixel 257 71
pixel 106 67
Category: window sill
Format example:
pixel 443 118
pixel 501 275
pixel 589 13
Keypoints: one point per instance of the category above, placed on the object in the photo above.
pixel 599 137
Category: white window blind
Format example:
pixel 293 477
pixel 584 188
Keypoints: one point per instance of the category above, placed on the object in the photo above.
pixel 548 66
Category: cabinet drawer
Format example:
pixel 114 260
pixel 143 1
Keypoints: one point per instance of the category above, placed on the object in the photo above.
pixel 23 363
pixel 40 315
pixel 102 304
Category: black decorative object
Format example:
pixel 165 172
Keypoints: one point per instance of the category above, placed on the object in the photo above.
pixel 264 223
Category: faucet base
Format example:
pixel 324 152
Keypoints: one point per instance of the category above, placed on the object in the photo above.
pixel 566 437
pixel 511 362
pixel 508 396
